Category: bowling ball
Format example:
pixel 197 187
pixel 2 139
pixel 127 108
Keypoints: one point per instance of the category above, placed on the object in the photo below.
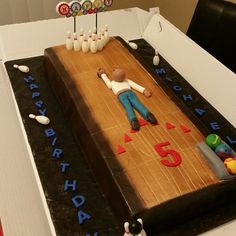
pixel 135 227
pixel 213 140
pixel 230 164
pixel 224 151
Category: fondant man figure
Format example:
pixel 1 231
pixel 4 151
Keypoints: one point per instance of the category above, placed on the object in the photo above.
pixel 134 228
pixel 122 88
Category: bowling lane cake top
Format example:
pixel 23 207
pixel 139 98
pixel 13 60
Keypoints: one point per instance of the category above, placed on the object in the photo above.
pixel 99 121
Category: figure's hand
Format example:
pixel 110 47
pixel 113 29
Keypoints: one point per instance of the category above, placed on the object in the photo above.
pixel 147 93
pixel 100 72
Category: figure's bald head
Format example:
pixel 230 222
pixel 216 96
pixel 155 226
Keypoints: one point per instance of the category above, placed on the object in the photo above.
pixel 118 74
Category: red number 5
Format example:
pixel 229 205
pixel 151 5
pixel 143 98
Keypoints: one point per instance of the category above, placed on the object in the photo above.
pixel 164 153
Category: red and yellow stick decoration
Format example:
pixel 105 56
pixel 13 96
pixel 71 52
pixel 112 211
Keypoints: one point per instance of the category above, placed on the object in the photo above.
pixel 82 7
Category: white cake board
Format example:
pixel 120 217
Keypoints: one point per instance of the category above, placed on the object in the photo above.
pixel 22 207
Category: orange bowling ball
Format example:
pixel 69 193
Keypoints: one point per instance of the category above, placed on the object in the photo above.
pixel 230 164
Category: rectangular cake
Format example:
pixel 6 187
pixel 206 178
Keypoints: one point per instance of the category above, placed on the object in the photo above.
pixel 135 182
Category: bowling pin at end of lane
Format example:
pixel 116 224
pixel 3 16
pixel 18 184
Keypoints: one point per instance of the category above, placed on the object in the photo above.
pixel 99 42
pixel 103 39
pixel 90 37
pixel 106 34
pixel 69 41
pixel 76 44
pixel 85 46
pixel 93 45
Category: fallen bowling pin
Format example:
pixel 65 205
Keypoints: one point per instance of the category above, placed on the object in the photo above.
pixel 22 68
pixel 40 119
pixel 133 45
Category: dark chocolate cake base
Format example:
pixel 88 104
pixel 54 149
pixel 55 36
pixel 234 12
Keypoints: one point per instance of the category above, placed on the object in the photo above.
pixel 63 213
pixel 62 210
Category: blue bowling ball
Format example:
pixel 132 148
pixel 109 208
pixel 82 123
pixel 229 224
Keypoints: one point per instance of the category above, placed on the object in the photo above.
pixel 224 151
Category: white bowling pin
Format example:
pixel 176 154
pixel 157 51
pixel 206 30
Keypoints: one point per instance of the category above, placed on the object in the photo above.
pixel 69 42
pixel 99 42
pixel 94 32
pixel 93 46
pixel 103 37
pixel 81 32
pixel 90 38
pixel 156 59
pixel 77 45
pixel 106 34
pixel 40 119
pixel 81 39
pixel 126 226
pixel 22 68
pixel 81 35
pixel 133 45
pixel 85 46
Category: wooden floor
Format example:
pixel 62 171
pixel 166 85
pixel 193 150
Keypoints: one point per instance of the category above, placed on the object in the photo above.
pixel 153 182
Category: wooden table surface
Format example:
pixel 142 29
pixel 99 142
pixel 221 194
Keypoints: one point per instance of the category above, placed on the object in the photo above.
pixel 140 165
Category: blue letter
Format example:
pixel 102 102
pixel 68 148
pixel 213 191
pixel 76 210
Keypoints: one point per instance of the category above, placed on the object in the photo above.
pixel 187 97
pixel 64 167
pixel 54 141
pixel 177 88
pixel 230 140
pixel 78 201
pixel 70 185
pixel 39 104
pixel 95 234
pixel 57 153
pixel 215 126
pixel 42 112
pixel 168 78
pixel 160 71
pixel 35 95
pixel 29 79
pixel 49 132
pixel 82 216
pixel 33 86
pixel 200 111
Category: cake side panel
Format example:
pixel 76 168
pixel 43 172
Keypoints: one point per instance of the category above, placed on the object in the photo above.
pixel 56 74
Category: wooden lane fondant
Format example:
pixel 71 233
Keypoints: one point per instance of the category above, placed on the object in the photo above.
pixel 135 182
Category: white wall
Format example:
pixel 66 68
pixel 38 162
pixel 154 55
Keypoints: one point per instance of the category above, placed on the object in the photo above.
pixel 17 11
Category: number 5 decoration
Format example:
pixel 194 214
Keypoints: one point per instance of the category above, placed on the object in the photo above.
pixel 164 153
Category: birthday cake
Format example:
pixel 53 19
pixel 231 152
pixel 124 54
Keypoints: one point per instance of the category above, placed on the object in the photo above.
pixel 154 173
pixel 136 129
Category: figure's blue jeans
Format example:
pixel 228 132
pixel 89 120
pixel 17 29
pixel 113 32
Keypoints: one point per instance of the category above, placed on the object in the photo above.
pixel 129 100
